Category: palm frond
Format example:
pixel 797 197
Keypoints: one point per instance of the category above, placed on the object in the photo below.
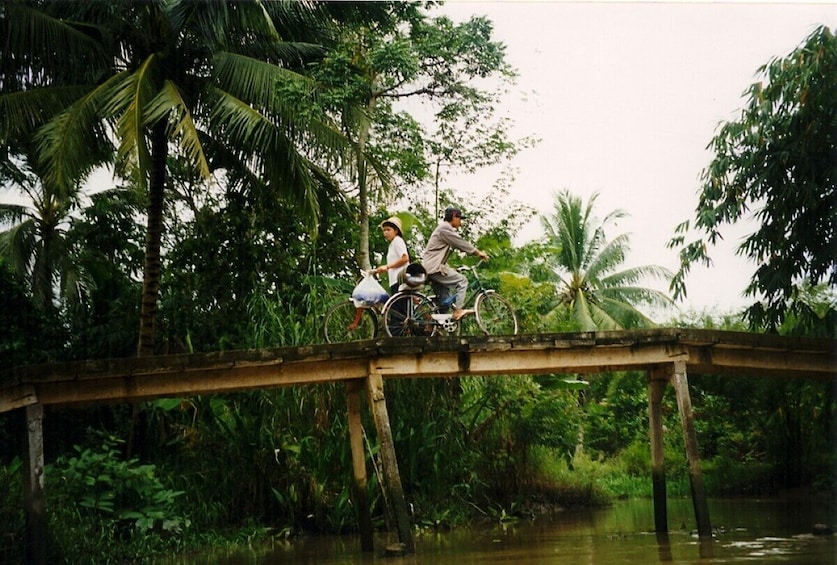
pixel 26 110
pixel 604 319
pixel 17 247
pixel 169 104
pixel 635 274
pixel 129 102
pixel 582 312
pixel 12 213
pixel 627 315
pixel 637 295
pixel 610 255
pixel 69 145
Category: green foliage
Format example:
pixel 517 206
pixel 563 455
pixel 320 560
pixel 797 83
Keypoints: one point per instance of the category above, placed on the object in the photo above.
pixel 104 507
pixel 27 334
pixel 779 157
pixel 584 269
pixel 616 411
pixel 12 532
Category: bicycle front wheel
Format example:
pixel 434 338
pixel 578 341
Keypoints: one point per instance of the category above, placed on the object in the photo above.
pixel 345 322
pixel 409 314
pixel 495 315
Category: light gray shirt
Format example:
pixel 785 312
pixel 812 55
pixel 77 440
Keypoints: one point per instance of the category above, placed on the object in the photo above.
pixel 444 238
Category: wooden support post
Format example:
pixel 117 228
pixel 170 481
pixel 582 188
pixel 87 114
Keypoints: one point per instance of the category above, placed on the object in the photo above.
pixel 656 387
pixel 377 402
pixel 359 490
pixel 34 497
pixel 684 405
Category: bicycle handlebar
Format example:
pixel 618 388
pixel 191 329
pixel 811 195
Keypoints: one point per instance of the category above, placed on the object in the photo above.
pixel 463 268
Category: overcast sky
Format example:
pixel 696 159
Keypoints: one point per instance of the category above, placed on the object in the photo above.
pixel 625 97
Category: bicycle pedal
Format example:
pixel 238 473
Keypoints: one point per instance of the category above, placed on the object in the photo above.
pixel 441 318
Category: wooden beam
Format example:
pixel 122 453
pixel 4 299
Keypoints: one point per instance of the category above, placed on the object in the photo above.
pixel 377 402
pixel 34 497
pixel 130 379
pixel 684 405
pixel 360 495
pixel 658 379
pixel 526 361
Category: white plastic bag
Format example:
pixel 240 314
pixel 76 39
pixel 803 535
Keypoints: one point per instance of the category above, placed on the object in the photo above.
pixel 369 292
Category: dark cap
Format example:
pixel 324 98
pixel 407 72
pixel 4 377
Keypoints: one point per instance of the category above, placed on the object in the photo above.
pixel 452 213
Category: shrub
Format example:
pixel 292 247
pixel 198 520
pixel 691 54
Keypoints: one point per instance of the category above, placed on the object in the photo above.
pixel 104 508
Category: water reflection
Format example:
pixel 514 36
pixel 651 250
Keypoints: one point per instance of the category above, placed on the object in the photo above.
pixel 751 531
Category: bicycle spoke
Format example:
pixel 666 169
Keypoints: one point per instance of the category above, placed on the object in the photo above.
pixel 344 322
pixel 409 314
pixel 495 315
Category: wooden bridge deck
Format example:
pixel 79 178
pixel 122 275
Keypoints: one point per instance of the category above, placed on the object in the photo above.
pixel 703 351
pixel 665 354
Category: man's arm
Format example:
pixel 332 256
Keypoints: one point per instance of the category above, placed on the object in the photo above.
pixel 452 238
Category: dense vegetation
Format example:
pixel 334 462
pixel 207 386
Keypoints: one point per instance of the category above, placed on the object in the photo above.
pixel 253 259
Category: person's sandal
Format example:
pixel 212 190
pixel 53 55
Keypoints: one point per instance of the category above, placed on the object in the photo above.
pixel 461 313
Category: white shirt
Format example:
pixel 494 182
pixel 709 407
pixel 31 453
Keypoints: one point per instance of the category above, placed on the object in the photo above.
pixel 397 249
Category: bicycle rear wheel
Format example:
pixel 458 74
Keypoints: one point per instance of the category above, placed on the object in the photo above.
pixel 495 315
pixel 345 322
pixel 409 314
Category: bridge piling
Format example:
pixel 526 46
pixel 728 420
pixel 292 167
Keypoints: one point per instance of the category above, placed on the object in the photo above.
pixel 684 406
pixel 656 387
pixel 33 488
pixel 359 490
pixel 392 478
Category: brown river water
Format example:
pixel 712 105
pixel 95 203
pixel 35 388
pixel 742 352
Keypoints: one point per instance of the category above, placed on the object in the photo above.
pixel 746 530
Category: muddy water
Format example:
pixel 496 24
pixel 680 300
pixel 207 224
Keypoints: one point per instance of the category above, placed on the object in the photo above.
pixel 767 530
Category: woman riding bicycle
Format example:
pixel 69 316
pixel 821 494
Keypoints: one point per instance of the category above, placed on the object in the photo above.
pixel 397 256
pixel 435 257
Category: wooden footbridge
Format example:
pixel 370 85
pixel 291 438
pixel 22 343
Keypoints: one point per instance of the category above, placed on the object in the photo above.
pixel 667 355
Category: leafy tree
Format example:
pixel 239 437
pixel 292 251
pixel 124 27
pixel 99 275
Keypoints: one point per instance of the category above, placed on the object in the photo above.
pixel 374 72
pixel 163 75
pixel 26 334
pixel 780 158
pixel 585 266
pixel 105 241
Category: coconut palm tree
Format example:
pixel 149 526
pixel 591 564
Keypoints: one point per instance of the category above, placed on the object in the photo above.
pixel 150 79
pixel 34 248
pixel 586 267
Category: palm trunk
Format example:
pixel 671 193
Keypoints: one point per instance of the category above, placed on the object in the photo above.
pixel 153 237
pixel 364 257
pixel 151 273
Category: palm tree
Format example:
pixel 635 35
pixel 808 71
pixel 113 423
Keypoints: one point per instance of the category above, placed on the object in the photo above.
pixel 598 295
pixel 154 78
pixel 33 245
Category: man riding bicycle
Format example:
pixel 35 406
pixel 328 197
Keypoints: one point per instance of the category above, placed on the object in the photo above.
pixel 447 281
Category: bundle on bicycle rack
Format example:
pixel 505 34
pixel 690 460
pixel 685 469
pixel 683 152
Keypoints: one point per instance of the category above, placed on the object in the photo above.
pixel 369 292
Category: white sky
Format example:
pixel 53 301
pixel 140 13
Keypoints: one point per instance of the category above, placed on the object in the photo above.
pixel 625 97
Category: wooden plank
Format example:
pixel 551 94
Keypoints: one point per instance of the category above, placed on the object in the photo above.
pixel 518 361
pixel 197 382
pixel 34 496
pixel 118 380
pixel 656 387
pixel 744 361
pixel 378 405
pixel 684 405
pixel 360 496
pixel 17 397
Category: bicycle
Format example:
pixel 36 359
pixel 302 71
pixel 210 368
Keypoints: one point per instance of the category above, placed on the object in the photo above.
pixel 410 312
pixel 349 320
